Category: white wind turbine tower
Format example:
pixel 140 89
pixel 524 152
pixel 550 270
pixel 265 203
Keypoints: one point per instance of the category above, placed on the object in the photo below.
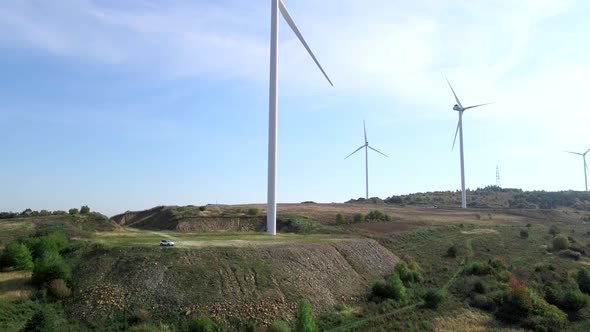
pixel 276 5
pixel 585 165
pixel 459 108
pixel 366 146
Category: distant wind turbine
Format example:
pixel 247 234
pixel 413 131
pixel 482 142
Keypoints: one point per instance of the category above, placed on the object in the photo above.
pixel 276 5
pixel 459 108
pixel 366 146
pixel 585 165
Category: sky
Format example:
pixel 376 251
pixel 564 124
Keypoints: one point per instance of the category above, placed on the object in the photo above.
pixel 126 105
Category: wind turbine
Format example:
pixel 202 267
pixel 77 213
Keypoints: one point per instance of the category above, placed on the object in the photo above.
pixel 459 108
pixel 585 165
pixel 276 6
pixel 366 146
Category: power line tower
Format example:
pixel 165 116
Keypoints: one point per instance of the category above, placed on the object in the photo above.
pixel 498 176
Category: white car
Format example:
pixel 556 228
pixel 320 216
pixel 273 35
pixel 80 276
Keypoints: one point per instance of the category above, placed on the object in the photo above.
pixel 166 243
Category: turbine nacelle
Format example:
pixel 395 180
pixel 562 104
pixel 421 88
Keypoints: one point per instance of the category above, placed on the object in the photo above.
pixel 457 108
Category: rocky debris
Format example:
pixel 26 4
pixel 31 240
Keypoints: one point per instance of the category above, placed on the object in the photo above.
pixel 264 311
pixel 101 298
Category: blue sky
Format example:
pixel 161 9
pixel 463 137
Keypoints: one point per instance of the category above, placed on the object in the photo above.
pixel 124 105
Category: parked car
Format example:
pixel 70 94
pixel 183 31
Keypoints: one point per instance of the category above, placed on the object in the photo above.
pixel 166 243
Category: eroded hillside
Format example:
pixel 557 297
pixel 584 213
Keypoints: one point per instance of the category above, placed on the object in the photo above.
pixel 229 284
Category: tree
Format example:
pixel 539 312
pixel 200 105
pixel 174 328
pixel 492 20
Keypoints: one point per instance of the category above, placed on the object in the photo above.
pixel 359 217
pixel 452 252
pixel 560 242
pixel 17 255
pixel 49 267
pixel 73 211
pixel 84 209
pixel 583 279
pixel 305 321
pixel 395 288
pixel 340 219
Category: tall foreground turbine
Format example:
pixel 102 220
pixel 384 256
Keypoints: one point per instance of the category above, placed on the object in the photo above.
pixel 585 165
pixel 276 5
pixel 459 108
pixel 366 146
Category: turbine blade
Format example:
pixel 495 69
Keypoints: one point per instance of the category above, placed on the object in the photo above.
pixel 355 151
pixel 579 154
pixel 378 151
pixel 291 23
pixel 456 132
pixel 454 94
pixel 365 129
pixel 586 151
pixel 466 108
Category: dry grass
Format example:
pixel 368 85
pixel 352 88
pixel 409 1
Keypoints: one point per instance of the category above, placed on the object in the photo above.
pixel 466 320
pixel 15 284
pixel 480 231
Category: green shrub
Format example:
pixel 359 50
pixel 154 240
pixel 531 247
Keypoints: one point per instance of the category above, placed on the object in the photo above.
pixel 59 289
pixel 305 320
pixel 377 215
pixel 84 209
pixel 583 279
pixel 524 234
pixel 17 255
pixel 340 219
pixel 452 252
pixel 202 208
pixel 433 298
pixel 73 211
pixel 253 211
pixel 48 267
pixel 359 217
pixel 560 242
pixel 279 326
pixel 574 300
pixel 202 324
pixel 407 273
pixel 395 289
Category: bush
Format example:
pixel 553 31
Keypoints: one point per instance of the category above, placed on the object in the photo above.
pixel 279 326
pixel 202 324
pixel 408 273
pixel 433 298
pixel 452 252
pixel 553 230
pixel 17 255
pixel 73 211
pixel 305 321
pixel 59 289
pixel 392 288
pixel 202 208
pixel 48 267
pixel 253 211
pixel 583 279
pixel 377 215
pixel 340 219
pixel 524 234
pixel 560 242
pixel 574 300
pixel 570 254
pixel 84 209
pixel 59 213
pixel 359 217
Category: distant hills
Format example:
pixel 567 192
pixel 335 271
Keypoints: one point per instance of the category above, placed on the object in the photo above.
pixel 491 197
